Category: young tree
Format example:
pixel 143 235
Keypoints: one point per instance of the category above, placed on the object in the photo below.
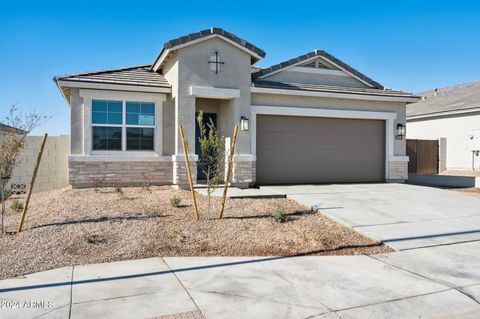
pixel 16 126
pixel 212 155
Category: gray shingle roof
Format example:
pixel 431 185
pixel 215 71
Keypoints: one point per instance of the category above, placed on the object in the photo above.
pixel 5 127
pixel 462 97
pixel 208 32
pixel 328 88
pixel 312 54
pixel 140 75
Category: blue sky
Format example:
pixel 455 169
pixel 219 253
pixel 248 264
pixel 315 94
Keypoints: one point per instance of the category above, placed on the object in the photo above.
pixel 408 45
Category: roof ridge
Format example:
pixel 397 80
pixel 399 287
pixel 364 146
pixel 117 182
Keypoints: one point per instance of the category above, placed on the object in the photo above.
pixel 171 44
pixel 454 86
pixel 102 71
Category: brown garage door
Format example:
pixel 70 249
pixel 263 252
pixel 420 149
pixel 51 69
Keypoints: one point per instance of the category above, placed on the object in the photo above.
pixel 292 149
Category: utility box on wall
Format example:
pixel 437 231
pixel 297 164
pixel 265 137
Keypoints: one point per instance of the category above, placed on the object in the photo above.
pixel 474 138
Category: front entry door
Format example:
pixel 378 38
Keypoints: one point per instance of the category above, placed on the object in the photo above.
pixel 206 120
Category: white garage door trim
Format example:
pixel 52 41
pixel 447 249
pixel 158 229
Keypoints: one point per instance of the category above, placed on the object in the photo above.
pixel 388 117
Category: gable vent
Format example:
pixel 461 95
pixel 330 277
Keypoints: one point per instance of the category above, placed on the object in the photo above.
pixel 315 64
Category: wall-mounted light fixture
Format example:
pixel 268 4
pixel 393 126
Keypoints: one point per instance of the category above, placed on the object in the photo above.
pixel 400 132
pixel 244 123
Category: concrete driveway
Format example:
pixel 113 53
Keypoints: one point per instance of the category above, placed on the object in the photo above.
pixel 401 215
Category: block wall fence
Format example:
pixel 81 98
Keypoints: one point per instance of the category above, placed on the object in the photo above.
pixel 53 170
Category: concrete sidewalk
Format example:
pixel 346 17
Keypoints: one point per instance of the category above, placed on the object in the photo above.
pixel 402 216
pixel 437 282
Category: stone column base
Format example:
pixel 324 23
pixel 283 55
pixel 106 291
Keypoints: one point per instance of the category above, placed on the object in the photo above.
pixel 244 171
pixel 180 176
pixel 398 168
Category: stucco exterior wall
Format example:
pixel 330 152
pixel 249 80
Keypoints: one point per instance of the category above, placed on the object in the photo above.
pixel 168 127
pixel 53 170
pixel 194 70
pixel 170 124
pixel 456 130
pixel 399 146
pixel 76 122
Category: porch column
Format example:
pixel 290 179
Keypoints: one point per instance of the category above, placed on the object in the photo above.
pixel 185 116
pixel 180 176
pixel 243 169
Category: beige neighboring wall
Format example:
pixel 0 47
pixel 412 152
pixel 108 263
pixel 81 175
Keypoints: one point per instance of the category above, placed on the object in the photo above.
pixel 53 170
pixel 399 146
pixel 457 130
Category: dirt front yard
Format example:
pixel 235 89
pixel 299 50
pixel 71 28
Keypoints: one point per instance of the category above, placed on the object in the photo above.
pixel 70 227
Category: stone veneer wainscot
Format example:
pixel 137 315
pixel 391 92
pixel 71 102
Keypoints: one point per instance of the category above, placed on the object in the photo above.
pixel 123 172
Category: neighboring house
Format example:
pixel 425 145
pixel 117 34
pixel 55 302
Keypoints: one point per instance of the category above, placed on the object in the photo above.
pixel 452 113
pixel 312 119
pixel 4 129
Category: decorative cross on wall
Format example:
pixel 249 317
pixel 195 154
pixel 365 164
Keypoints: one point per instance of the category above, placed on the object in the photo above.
pixel 216 61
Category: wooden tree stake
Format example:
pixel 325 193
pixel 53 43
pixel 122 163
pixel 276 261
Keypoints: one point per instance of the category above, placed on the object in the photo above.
pixel 229 169
pixel 187 163
pixel 32 183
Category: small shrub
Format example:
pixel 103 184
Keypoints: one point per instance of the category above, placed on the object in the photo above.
pixel 175 201
pixel 16 205
pixel 119 190
pixel 6 194
pixel 147 184
pixel 96 181
pixel 95 239
pixel 279 215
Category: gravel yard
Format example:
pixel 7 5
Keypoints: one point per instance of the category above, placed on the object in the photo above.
pixel 71 227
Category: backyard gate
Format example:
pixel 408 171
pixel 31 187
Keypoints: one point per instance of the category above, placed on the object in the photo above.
pixel 423 156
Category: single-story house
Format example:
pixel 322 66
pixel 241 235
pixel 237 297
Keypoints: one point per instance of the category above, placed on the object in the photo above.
pixel 452 113
pixel 5 129
pixel 311 119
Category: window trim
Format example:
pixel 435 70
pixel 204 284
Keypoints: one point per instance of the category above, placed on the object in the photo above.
pixel 157 145
pixel 86 96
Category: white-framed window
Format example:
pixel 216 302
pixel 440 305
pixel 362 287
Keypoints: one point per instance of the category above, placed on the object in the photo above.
pixel 123 125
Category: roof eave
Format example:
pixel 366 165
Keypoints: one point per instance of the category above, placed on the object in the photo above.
pixel 443 113
pixel 344 95
pixel 56 79
pixel 112 86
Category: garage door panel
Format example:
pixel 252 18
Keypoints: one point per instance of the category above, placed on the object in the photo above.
pixel 309 157
pixel 313 141
pixel 294 149
pixel 322 175
pixel 299 124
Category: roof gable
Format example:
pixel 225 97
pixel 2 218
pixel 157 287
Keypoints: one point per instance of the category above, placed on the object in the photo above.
pixel 328 62
pixel 203 35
